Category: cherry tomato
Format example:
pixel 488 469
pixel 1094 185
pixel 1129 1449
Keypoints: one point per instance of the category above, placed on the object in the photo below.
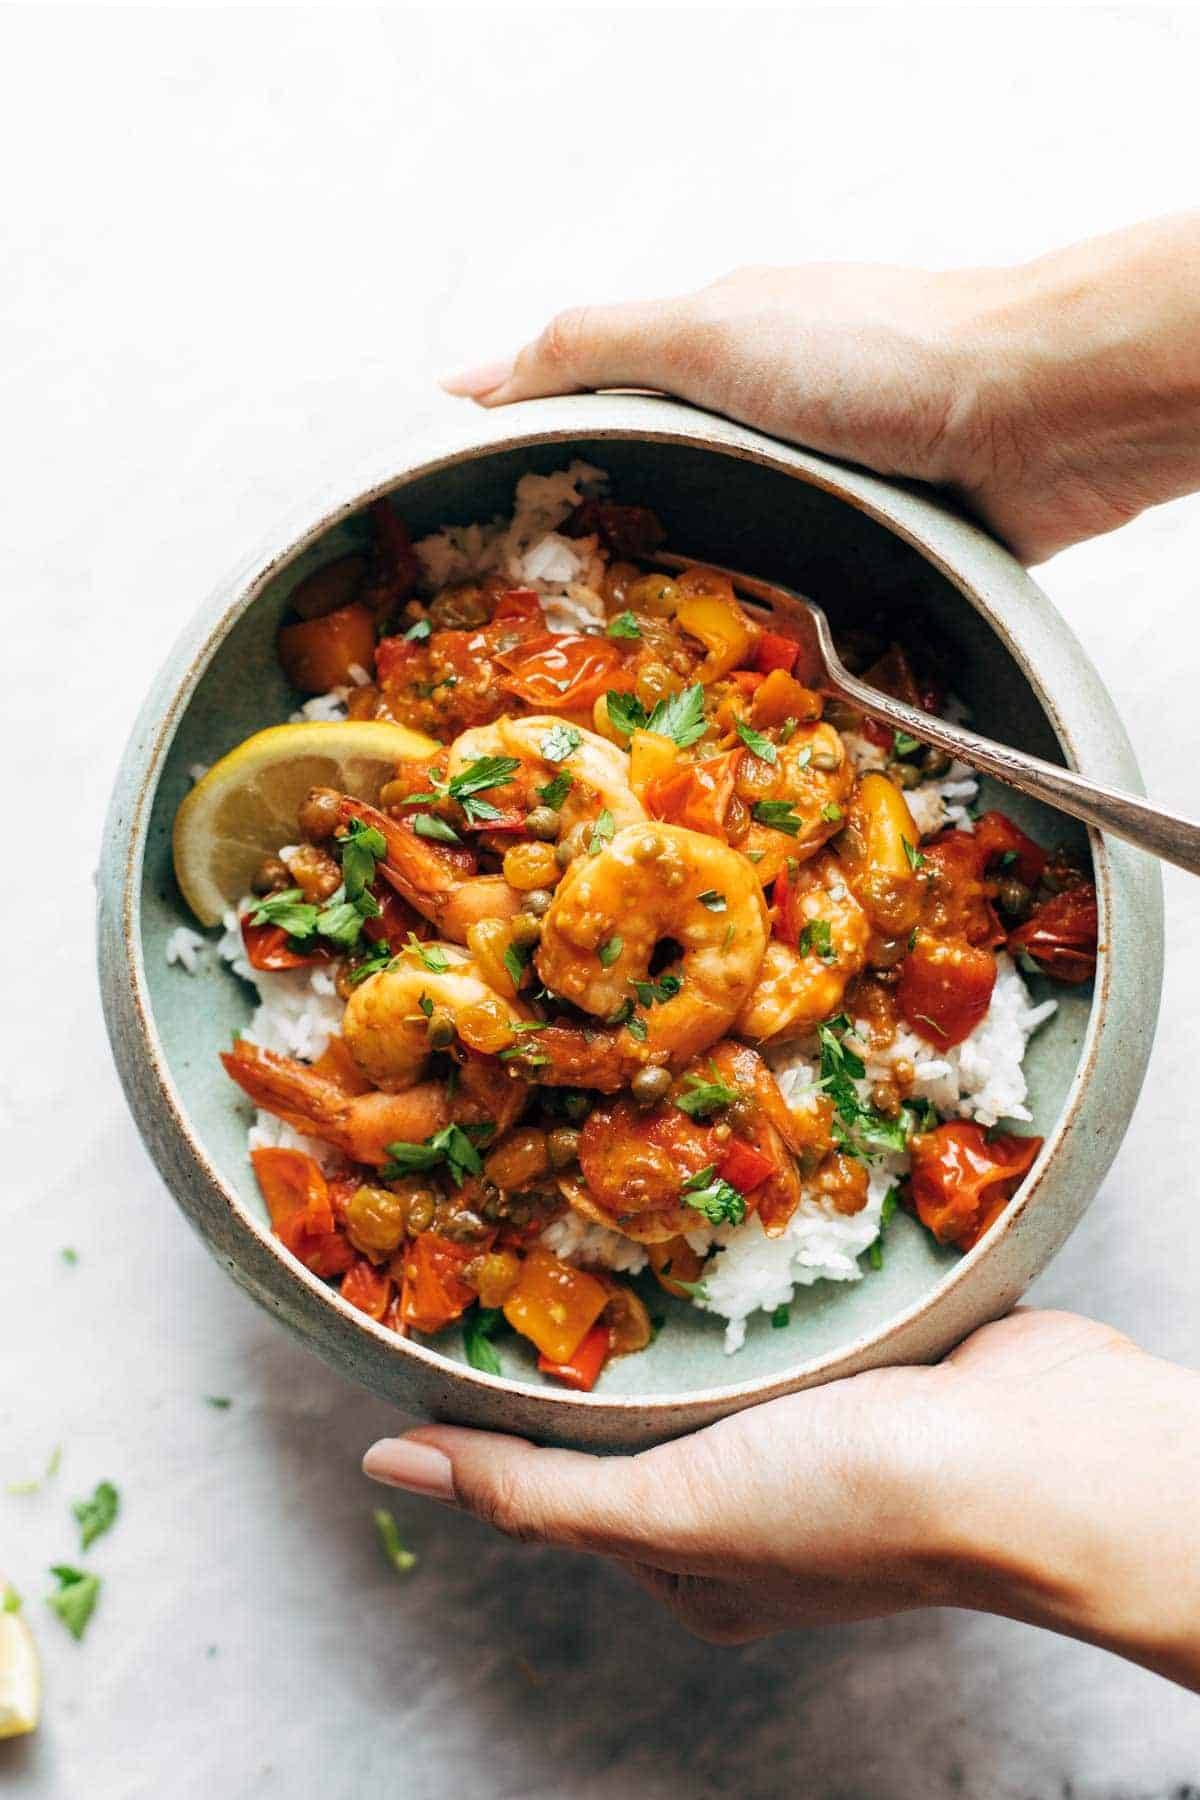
pixel 698 795
pixel 583 1368
pixel 997 838
pixel 563 673
pixel 962 1180
pixel 367 1288
pixel 1061 935
pixel 945 988
pixel 267 948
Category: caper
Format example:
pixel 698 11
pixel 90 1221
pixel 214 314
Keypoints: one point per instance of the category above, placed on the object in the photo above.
pixel 885 953
pixel 440 1029
pixel 562 1146
pixel 575 1104
pixel 526 930
pixel 740 1112
pixel 272 877
pixel 1014 896
pixel 905 774
pixel 935 763
pixel 649 1086
pixel 573 844
pixel 543 822
pixel 537 902
pixel 825 761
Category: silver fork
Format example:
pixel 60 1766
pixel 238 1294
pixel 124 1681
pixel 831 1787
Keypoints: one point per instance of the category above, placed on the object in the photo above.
pixel 1151 828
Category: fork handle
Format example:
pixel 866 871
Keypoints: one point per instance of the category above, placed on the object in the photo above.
pixel 1151 828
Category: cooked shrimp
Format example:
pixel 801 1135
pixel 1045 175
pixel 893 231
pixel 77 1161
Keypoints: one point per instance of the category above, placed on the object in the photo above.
pixel 635 1162
pixel 386 1023
pixel 599 771
pixel 361 1126
pixel 609 915
pixel 812 777
pixel 794 991
pixel 439 880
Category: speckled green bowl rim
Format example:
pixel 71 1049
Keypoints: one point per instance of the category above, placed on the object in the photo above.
pixel 987 1281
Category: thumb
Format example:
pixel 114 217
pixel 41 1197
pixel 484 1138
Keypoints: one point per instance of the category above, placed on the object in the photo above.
pixel 628 1506
pixel 630 345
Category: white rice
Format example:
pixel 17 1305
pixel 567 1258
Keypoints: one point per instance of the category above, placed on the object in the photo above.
pixel 298 1010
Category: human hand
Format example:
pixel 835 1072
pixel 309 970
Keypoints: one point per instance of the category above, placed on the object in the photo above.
pixel 1044 1471
pixel 1057 399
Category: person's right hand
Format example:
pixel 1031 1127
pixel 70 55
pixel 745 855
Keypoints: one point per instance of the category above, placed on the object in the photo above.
pixel 1057 399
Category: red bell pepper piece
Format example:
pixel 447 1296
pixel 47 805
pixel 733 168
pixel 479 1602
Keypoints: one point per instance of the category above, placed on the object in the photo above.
pixel 997 838
pixel 776 652
pixel 698 796
pixel 585 1365
pixel 744 1167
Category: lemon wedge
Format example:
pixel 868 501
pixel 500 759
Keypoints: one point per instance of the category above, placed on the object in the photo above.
pixel 246 805
pixel 20 1674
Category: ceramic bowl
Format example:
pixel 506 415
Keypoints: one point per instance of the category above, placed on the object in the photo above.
pixel 854 543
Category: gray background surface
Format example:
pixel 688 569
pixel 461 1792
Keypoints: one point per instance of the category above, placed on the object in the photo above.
pixel 236 248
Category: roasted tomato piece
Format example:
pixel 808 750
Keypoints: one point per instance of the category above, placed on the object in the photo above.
pixel 628 531
pixel 957 900
pixel 562 673
pixel 267 947
pixel 962 1179
pixel 367 1288
pixel 697 795
pixel 581 1371
pixel 433 1291
pixel 1000 841
pixel 774 651
pixel 1061 935
pixel 945 988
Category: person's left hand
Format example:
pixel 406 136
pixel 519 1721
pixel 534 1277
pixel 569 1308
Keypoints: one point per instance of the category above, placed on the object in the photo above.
pixel 987 1481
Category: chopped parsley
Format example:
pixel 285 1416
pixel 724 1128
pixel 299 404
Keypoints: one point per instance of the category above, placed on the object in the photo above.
pixel 831 812
pixel 781 1318
pixel 609 952
pixel 652 993
pixel 430 957
pixel 76 1598
pixel 718 1200
pixel 428 825
pixel 903 744
pixel 34 1484
pixel 560 742
pixel 778 815
pixel 704 1097
pixel 912 855
pixel 713 900
pixel 624 626
pixel 679 717
pixel 378 958
pixel 602 832
pixel 817 940
pixel 890 1202
pixel 288 910
pixel 10 1600
pixel 96 1515
pixel 556 791
pixel 515 962
pixel 218 1402
pixel 417 634
pixel 402 1560
pixel 485 772
pixel 478 1328
pixel 69 1256
pixel 451 1146
pixel 756 743
pixel 787 732
pixel 858 1128
pixel 360 849
pixel 695 1290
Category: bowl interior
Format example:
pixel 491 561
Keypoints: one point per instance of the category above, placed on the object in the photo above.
pixel 715 506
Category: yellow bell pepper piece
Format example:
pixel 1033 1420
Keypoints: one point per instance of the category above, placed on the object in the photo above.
pixel 650 754
pixel 722 627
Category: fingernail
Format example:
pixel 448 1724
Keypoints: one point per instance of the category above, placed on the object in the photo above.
pixel 473 383
pixel 417 1467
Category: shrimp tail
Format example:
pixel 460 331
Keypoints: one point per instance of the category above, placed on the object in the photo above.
pixel 295 1093
pixel 422 871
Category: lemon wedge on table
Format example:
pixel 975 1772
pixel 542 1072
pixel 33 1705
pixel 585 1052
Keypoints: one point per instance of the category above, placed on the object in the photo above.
pixel 20 1673
pixel 246 805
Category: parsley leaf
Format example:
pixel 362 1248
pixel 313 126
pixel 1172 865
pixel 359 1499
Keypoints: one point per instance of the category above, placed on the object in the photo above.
pixel 485 772
pixel 360 849
pixel 515 962
pixel 778 815
pixel 378 958
pixel 903 744
pixel 720 1202
pixel 478 1327
pixel 680 716
pixel 342 922
pixel 402 1560
pixel 76 1598
pixel 756 743
pixel 428 825
pixel 97 1514
pixel 602 832
pixel 831 812
pixel 560 742
pixel 451 1146
pixel 781 1318
pixel 433 959
pixel 650 992
pixel 624 626
pixel 890 1202
pixel 817 940
pixel 714 901
pixel 416 634
pixel 556 791
pixel 704 1097
pixel 912 855
pixel 626 714
pixel 289 910
pixel 858 1129
pixel 636 1028
pixel 609 952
